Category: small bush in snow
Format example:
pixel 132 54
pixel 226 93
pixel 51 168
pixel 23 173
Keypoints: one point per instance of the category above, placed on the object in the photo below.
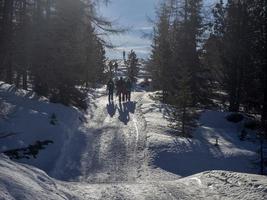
pixel 70 96
pixel 27 152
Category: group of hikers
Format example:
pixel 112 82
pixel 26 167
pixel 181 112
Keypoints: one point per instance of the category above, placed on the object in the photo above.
pixel 123 89
pixel 113 66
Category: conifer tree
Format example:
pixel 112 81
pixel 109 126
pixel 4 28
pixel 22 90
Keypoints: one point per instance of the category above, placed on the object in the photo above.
pixel 236 50
pixel 53 46
pixel 161 51
pixel 132 66
pixel 175 61
pixel 183 105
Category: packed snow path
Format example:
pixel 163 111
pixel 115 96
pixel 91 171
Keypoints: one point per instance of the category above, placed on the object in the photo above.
pixel 114 150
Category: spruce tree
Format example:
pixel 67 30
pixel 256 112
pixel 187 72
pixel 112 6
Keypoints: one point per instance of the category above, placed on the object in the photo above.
pixel 53 45
pixel 235 51
pixel 7 33
pixel 183 105
pixel 175 62
pixel 161 51
pixel 132 66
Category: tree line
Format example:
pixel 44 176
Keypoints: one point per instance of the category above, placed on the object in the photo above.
pixel 199 57
pixel 52 47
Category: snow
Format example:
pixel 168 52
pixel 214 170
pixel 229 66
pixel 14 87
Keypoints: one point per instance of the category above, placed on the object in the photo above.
pixel 187 156
pixel 29 117
pixel 123 151
pixel 20 181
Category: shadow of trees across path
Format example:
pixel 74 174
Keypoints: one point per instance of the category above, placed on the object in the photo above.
pixel 124 110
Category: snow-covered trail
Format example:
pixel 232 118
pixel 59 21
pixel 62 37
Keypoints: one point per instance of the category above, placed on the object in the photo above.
pixel 111 145
pixel 118 154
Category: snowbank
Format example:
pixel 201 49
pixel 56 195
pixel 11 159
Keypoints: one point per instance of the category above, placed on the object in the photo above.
pixel 30 118
pixel 225 185
pixel 20 181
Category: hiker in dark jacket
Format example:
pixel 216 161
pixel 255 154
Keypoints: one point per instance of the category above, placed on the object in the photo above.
pixel 120 88
pixel 110 88
pixel 116 65
pixel 128 89
pixel 124 91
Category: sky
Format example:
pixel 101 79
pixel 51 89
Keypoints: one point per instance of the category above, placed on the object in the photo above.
pixel 133 15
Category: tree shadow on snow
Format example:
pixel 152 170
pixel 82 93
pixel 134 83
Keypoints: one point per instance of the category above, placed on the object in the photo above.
pixel 191 157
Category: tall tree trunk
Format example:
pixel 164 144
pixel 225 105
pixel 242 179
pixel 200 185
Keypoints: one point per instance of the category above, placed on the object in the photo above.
pixel 185 11
pixel 9 69
pixel 1 21
pixel 264 109
pixel 48 9
pixel 7 39
pixel 18 79
pixel 25 80
pixel 183 119
pixel 25 54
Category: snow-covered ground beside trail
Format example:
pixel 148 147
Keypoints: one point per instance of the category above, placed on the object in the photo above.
pixel 187 156
pixel 123 151
pixel 29 117
pixel 18 181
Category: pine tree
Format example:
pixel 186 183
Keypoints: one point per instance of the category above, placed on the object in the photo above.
pixel 22 43
pixel 258 89
pixel 235 54
pixel 194 29
pixel 161 51
pixel 53 45
pixel 132 66
pixel 213 51
pixel 7 40
pixel 66 61
pixel 183 105
pixel 175 62
pixel 236 51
